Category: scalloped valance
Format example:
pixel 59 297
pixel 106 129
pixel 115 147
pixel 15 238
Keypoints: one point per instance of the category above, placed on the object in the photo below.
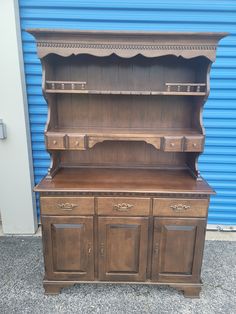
pixel 126 44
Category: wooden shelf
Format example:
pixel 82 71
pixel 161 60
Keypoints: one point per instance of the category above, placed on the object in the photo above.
pixel 123 180
pixel 129 131
pixel 116 92
pixel 77 87
pixel 175 140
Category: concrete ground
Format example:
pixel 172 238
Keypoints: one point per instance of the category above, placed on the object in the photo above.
pixel 21 291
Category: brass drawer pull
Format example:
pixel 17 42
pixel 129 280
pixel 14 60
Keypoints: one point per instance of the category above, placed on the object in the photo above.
pixel 67 206
pixel 123 207
pixel 179 207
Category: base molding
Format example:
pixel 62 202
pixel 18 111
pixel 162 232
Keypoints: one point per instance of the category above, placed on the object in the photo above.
pixel 190 290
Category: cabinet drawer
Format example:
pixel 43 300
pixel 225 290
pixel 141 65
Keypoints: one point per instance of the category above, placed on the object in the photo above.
pixel 173 143
pixel 193 143
pixel 55 141
pixel 67 205
pixel 123 206
pixel 180 207
pixel 76 142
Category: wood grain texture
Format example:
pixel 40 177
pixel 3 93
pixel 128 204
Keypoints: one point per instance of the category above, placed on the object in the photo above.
pixel 66 206
pixel 123 200
pixel 68 247
pixel 180 207
pixel 53 287
pixel 116 206
pixel 126 44
pixel 124 180
pixel 122 248
pixel 177 249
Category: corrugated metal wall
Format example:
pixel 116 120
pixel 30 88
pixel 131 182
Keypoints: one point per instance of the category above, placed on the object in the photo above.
pixel 218 163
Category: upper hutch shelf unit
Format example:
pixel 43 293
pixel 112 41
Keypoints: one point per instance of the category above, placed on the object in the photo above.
pixel 123 199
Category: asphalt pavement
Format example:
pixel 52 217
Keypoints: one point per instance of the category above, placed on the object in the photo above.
pixel 21 291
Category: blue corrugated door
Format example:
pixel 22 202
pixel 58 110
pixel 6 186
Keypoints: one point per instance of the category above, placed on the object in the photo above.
pixel 218 163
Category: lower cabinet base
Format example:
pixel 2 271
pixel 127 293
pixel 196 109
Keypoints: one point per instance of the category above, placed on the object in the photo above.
pixel 124 242
pixel 190 290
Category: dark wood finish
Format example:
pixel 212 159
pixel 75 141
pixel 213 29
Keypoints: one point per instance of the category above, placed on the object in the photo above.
pixel 127 43
pixel 123 200
pixel 53 287
pixel 55 141
pixel 76 141
pixel 173 144
pixel 193 143
pixel 123 248
pixel 124 180
pixel 180 207
pixel 68 247
pixel 67 206
pixel 191 292
pixel 177 249
pixel 116 206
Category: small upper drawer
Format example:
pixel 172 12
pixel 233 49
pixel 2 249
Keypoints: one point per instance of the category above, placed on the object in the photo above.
pixel 123 206
pixel 180 207
pixel 55 141
pixel 67 205
pixel 193 143
pixel 76 142
pixel 173 144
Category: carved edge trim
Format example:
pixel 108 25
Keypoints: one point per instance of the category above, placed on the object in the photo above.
pixel 126 50
pixel 124 194
pixel 156 142
pixel 123 46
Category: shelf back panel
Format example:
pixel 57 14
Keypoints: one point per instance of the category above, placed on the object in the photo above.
pixel 150 112
pixel 137 73
pixel 123 154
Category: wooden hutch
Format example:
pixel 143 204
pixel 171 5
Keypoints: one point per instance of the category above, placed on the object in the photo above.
pixel 123 200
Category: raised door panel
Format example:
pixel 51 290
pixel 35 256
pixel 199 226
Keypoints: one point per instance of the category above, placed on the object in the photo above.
pixel 177 249
pixel 123 248
pixel 68 247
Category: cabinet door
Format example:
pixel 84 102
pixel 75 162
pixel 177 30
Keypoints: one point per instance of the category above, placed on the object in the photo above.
pixel 177 249
pixel 68 247
pixel 123 248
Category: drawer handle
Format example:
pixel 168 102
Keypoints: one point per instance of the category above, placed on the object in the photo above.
pixel 89 248
pixel 179 207
pixel 123 207
pixel 54 142
pixel 67 206
pixel 172 144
